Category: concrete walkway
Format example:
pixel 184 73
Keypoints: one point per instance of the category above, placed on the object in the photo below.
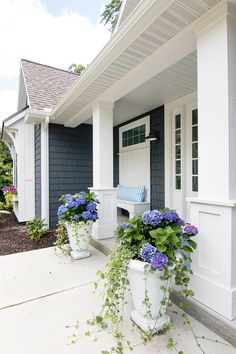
pixel 41 294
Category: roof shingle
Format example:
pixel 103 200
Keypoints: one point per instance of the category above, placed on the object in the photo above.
pixel 45 85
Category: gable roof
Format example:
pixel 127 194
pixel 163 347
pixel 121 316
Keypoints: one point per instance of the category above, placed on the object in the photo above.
pixel 45 85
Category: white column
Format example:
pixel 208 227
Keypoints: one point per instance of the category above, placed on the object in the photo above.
pixel 44 173
pixel 214 210
pixel 103 170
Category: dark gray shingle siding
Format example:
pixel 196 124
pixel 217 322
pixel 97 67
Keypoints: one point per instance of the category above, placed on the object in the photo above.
pixel 70 163
pixel 37 135
pixel 157 182
pixel 157 160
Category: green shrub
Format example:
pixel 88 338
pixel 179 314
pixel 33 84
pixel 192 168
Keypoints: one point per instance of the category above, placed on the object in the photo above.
pixel 36 228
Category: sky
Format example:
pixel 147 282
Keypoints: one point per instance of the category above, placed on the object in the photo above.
pixel 51 32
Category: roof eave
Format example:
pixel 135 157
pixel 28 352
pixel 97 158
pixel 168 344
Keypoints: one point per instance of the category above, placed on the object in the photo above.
pixel 134 25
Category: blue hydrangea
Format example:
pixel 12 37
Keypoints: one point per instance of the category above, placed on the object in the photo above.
pixel 91 206
pixel 147 252
pixel 81 200
pixel 76 217
pixel 72 204
pixel 125 226
pixel 82 192
pixel 191 230
pixel 181 222
pixel 159 260
pixel 170 215
pixel 152 217
pixel 68 198
pixel 94 216
pixel 89 215
pixel 61 210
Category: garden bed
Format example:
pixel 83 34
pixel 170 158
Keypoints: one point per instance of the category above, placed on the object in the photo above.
pixel 14 237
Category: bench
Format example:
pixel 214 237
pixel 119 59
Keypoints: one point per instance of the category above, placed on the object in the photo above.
pixel 131 199
pixel 133 207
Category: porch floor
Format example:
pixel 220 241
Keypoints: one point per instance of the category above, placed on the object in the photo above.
pixel 42 293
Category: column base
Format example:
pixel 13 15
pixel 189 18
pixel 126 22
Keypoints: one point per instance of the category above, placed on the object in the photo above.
pixel 214 262
pixel 105 226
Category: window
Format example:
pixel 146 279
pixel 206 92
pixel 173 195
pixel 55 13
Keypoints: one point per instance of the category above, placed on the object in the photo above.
pixel 178 152
pixel 133 136
pixel 195 150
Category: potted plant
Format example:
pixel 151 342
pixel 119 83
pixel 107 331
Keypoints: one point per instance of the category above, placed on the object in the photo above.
pixel 79 211
pixel 153 250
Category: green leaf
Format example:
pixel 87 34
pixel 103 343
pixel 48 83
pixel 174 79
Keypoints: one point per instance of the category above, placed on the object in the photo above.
pixel 161 248
pixel 190 292
pixel 174 239
pixel 187 249
pixel 161 239
pixel 192 244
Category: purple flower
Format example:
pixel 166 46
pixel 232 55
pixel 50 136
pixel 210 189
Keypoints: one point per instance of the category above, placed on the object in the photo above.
pixel 81 200
pixel 91 206
pixel 190 230
pixel 76 217
pixel 147 252
pixel 81 193
pixel 181 222
pixel 11 189
pixel 159 260
pixel 125 226
pixel 152 217
pixel 171 216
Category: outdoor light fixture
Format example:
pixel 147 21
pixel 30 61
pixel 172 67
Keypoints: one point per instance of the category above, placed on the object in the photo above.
pixel 152 137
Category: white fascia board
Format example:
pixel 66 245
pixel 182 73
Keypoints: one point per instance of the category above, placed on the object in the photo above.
pixel 144 14
pixel 9 122
pixel 34 116
pixel 123 4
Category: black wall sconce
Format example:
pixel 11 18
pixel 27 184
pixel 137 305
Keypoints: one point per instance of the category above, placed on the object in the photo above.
pixel 153 136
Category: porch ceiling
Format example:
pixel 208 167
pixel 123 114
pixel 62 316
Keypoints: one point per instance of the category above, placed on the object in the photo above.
pixel 177 81
pixel 151 25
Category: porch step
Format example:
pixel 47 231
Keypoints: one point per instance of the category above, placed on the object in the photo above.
pixel 104 246
pixel 215 322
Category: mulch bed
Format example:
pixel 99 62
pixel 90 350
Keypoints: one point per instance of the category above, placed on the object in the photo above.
pixel 14 237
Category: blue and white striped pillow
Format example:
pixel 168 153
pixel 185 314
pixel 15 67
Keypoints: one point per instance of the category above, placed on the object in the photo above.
pixel 132 194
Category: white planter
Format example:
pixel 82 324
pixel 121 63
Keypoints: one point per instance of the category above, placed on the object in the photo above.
pixel 79 234
pixel 138 285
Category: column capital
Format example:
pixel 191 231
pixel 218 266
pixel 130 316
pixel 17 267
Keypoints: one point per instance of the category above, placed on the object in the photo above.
pixel 215 14
pixel 103 104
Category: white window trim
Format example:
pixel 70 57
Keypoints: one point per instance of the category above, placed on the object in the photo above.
pixel 136 123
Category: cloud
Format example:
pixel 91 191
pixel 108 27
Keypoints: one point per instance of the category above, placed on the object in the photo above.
pixel 29 31
pixel 8 103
